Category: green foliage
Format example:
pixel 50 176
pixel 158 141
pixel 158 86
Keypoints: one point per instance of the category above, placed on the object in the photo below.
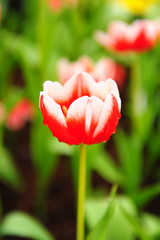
pixel 43 157
pixel 130 154
pixel 22 225
pixel 8 171
pixel 143 196
pixel 99 231
pixel 117 226
pixel 104 164
pixel 152 225
pixel 124 223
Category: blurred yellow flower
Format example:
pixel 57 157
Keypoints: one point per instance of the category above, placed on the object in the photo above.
pixel 137 7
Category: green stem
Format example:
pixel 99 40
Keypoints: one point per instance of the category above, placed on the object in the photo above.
pixel 136 92
pixel 81 193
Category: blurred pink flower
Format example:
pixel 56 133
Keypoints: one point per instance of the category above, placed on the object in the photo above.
pixel 141 35
pixel 105 68
pixel 81 110
pixel 66 69
pixel 22 112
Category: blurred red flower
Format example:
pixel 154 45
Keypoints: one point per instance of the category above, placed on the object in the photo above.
pixel 141 35
pixel 57 5
pixel 82 110
pixel 23 111
pixel 105 68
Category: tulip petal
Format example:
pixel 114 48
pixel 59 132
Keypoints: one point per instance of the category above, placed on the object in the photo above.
pixel 83 116
pixel 56 91
pixel 67 69
pixel 77 86
pixel 101 89
pixel 81 84
pixel 141 35
pixel 108 120
pixel 104 39
pixel 55 119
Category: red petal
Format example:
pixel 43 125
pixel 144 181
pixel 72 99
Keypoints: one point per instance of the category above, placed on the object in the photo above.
pixel 75 87
pixel 81 84
pixel 83 116
pixel 55 120
pixel 108 120
pixel 101 89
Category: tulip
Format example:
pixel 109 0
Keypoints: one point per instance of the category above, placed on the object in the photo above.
pixel 107 68
pixel 66 69
pixel 141 35
pixel 22 111
pixel 82 110
pixel 103 69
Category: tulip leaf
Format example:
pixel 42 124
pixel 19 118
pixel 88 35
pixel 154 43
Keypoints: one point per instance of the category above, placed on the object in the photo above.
pixel 60 148
pixel 139 230
pixel 105 166
pixel 22 49
pixel 22 225
pixel 152 224
pixel 8 172
pixel 44 160
pixel 27 55
pixel 100 230
pixel 130 155
pixel 145 195
pixel 118 226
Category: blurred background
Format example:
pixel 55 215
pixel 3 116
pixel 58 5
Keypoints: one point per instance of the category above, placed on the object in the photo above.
pixel 50 40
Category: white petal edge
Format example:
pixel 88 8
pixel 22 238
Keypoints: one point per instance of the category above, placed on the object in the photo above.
pixel 106 111
pixel 53 109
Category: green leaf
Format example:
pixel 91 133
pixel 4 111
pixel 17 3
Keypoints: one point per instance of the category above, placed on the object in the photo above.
pixel 60 148
pixel 45 161
pixel 100 230
pixel 8 172
pixel 143 196
pixel 22 225
pixel 152 224
pixel 136 225
pixel 28 57
pixel 104 165
pixel 130 155
pixel 118 227
pixel 21 48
